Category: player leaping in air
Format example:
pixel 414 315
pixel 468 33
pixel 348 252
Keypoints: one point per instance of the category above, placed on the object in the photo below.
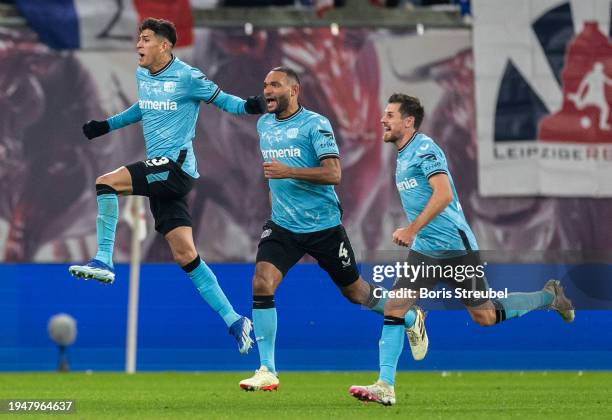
pixel 438 235
pixel 169 96
pixel 302 163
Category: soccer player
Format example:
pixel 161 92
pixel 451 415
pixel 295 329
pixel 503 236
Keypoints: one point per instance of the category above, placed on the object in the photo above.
pixel 169 96
pixel 302 163
pixel 438 236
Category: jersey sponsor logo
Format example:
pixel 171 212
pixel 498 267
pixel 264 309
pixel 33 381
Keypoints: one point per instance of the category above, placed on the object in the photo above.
pixel 430 166
pixel 292 133
pixel 166 105
pixel 170 87
pixel 289 152
pixel 407 184
pixel 327 144
pixel 329 140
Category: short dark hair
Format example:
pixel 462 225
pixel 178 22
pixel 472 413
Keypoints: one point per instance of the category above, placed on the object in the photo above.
pixel 291 74
pixel 160 27
pixel 410 106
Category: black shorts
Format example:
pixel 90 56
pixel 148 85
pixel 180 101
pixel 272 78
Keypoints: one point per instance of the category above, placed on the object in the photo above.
pixel 167 185
pixel 330 247
pixel 451 271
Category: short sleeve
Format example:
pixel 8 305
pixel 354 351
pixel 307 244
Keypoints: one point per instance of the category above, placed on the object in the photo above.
pixel 323 139
pixel 431 159
pixel 201 88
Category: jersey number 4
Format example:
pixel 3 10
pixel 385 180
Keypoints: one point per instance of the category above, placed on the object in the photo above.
pixel 342 251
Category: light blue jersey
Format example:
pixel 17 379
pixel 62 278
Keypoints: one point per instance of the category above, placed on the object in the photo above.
pixel 168 105
pixel 418 160
pixel 301 140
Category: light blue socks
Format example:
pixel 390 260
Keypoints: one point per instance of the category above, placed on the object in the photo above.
pixel 264 323
pixel 206 282
pixel 106 225
pixel 390 347
pixel 518 304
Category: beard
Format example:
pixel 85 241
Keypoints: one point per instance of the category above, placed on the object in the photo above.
pixel 282 103
pixel 392 138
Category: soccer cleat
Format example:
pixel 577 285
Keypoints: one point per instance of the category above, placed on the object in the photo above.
pixel 380 392
pixel 560 303
pixel 417 336
pixel 263 380
pixel 241 330
pixel 94 269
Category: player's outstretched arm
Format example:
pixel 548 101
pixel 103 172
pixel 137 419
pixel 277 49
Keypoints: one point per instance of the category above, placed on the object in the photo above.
pixel 206 90
pixel 93 128
pixel 236 105
pixel 329 173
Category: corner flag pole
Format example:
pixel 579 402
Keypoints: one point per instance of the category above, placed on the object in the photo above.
pixel 135 217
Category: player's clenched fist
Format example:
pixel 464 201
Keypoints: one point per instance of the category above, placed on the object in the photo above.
pixel 276 170
pixel 404 236
pixel 93 128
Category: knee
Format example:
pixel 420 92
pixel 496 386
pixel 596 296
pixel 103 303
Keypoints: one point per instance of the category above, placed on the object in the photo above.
pixel 105 180
pixel 262 285
pixel 183 256
pixel 484 318
pixel 352 294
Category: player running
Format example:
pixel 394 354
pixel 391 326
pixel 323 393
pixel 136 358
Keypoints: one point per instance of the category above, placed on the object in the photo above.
pixel 438 235
pixel 302 163
pixel 169 96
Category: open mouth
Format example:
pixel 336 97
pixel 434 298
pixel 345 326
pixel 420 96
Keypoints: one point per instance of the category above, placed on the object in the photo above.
pixel 386 129
pixel 271 102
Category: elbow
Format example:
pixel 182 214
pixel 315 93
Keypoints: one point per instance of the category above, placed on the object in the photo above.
pixel 445 198
pixel 448 198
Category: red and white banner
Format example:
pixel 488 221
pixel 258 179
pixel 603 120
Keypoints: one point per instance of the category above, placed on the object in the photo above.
pixel 48 168
pixel 543 73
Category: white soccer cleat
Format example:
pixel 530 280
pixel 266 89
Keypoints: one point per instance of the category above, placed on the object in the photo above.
pixel 381 392
pixel 560 303
pixel 95 270
pixel 263 380
pixel 417 336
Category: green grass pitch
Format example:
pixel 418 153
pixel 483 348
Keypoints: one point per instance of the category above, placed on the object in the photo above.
pixel 213 395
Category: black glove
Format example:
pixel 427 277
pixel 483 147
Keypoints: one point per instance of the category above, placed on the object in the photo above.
pixel 256 105
pixel 93 128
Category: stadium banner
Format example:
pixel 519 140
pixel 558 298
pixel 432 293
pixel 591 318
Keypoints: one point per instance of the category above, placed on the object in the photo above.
pixel 177 331
pixel 48 168
pixel 101 24
pixel 543 72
